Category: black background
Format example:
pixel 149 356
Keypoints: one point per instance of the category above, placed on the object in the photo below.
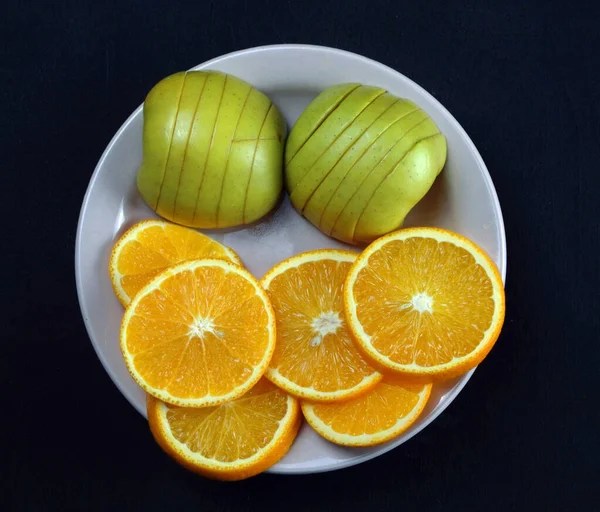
pixel 522 79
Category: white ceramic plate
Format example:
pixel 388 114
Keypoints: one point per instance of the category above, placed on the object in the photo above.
pixel 463 199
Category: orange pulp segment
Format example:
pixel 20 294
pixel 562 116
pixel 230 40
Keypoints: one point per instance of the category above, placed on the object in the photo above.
pixel 315 356
pixel 151 246
pixel 425 302
pixel 232 441
pixel 200 334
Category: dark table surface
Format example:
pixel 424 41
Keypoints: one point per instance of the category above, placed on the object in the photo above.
pixel 522 79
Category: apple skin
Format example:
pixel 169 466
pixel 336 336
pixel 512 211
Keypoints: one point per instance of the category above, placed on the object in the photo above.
pixel 359 159
pixel 212 150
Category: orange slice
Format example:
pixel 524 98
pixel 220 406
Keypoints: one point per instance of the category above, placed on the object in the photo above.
pixel 199 334
pixel 151 246
pixel 373 418
pixel 425 302
pixel 231 441
pixel 315 356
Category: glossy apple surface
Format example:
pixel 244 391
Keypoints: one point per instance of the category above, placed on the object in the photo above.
pixel 213 150
pixel 359 159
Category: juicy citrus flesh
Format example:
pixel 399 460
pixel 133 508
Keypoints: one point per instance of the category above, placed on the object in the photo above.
pixel 375 417
pixel 232 441
pixel 199 334
pixel 315 356
pixel 151 246
pixel 425 302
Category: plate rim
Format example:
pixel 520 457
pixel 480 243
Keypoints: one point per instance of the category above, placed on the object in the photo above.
pixel 451 396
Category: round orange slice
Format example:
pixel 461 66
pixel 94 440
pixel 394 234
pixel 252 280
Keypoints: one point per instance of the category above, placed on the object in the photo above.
pixel 373 418
pixel 232 441
pixel 200 334
pixel 425 302
pixel 315 356
pixel 151 246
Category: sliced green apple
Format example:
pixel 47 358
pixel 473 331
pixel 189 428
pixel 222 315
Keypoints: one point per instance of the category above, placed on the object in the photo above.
pixel 196 157
pixel 314 116
pixel 235 94
pixel 333 192
pixel 402 189
pixel 160 111
pixel 241 160
pixel 360 192
pixel 188 103
pixel 202 145
pixel 374 164
pixel 328 132
pixel 265 185
pixel 346 146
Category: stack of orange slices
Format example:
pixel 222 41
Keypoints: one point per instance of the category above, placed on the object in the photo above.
pixel 354 342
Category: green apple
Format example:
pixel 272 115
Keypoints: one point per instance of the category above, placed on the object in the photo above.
pixel 316 142
pixel 212 150
pixel 403 187
pixel 347 145
pixel 335 191
pixel 360 160
pixel 308 123
pixel 357 198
